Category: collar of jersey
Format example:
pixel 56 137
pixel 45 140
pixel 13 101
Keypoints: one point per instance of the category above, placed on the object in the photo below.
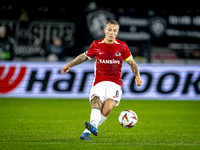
pixel 104 42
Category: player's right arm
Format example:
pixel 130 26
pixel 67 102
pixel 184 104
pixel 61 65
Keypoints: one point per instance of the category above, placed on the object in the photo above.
pixel 79 59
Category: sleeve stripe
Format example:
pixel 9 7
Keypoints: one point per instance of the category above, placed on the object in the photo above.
pixel 129 58
pixel 87 56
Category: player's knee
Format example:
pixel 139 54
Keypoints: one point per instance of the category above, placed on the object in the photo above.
pixel 97 107
pixel 96 103
pixel 106 110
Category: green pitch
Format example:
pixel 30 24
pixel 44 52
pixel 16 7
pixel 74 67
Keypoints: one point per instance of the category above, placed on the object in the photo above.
pixel 58 123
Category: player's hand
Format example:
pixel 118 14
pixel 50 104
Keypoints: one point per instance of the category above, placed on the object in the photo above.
pixel 138 81
pixel 65 69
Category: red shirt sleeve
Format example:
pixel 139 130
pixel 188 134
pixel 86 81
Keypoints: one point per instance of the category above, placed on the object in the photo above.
pixel 126 51
pixel 91 51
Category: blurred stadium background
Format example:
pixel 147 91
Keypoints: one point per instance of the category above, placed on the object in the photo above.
pixel 164 43
pixel 154 35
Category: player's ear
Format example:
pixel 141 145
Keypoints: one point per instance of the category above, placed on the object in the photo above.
pixel 105 29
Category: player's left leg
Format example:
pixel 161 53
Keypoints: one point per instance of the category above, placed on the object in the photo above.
pixel 108 106
pixel 113 96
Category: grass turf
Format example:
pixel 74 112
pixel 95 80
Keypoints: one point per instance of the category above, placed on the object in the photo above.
pixel 58 123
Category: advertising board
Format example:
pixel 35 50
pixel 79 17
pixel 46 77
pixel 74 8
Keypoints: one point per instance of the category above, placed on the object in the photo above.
pixel 44 80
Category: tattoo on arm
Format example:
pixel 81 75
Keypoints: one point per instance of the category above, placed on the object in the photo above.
pixel 79 59
pixel 134 67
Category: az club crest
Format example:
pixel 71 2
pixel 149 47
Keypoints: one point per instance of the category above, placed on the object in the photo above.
pixel 96 22
pixel 157 26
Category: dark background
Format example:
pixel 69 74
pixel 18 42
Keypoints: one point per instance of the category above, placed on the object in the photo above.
pixel 179 39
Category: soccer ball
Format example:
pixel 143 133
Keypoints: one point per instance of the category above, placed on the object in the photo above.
pixel 128 118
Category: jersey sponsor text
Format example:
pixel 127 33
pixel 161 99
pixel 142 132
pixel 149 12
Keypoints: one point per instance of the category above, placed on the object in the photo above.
pixel 111 61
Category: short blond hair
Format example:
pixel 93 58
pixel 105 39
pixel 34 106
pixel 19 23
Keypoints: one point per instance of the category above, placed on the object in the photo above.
pixel 111 21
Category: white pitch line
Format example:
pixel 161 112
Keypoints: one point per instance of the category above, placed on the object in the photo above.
pixel 124 144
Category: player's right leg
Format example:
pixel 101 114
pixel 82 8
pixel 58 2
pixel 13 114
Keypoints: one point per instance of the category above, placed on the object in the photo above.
pixel 95 116
pixel 96 99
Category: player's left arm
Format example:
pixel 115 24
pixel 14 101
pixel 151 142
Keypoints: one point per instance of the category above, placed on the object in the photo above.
pixel 135 71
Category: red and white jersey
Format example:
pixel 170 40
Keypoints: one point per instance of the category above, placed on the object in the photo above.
pixel 108 60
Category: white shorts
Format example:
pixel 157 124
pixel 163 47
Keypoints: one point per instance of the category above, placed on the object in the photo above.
pixel 105 90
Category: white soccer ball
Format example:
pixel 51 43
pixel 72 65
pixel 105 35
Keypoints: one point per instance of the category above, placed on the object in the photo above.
pixel 128 118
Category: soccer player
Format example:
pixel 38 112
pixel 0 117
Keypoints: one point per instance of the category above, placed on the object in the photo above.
pixel 106 90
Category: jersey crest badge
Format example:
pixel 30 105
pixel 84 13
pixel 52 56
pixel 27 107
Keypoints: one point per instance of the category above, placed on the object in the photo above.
pixel 117 54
